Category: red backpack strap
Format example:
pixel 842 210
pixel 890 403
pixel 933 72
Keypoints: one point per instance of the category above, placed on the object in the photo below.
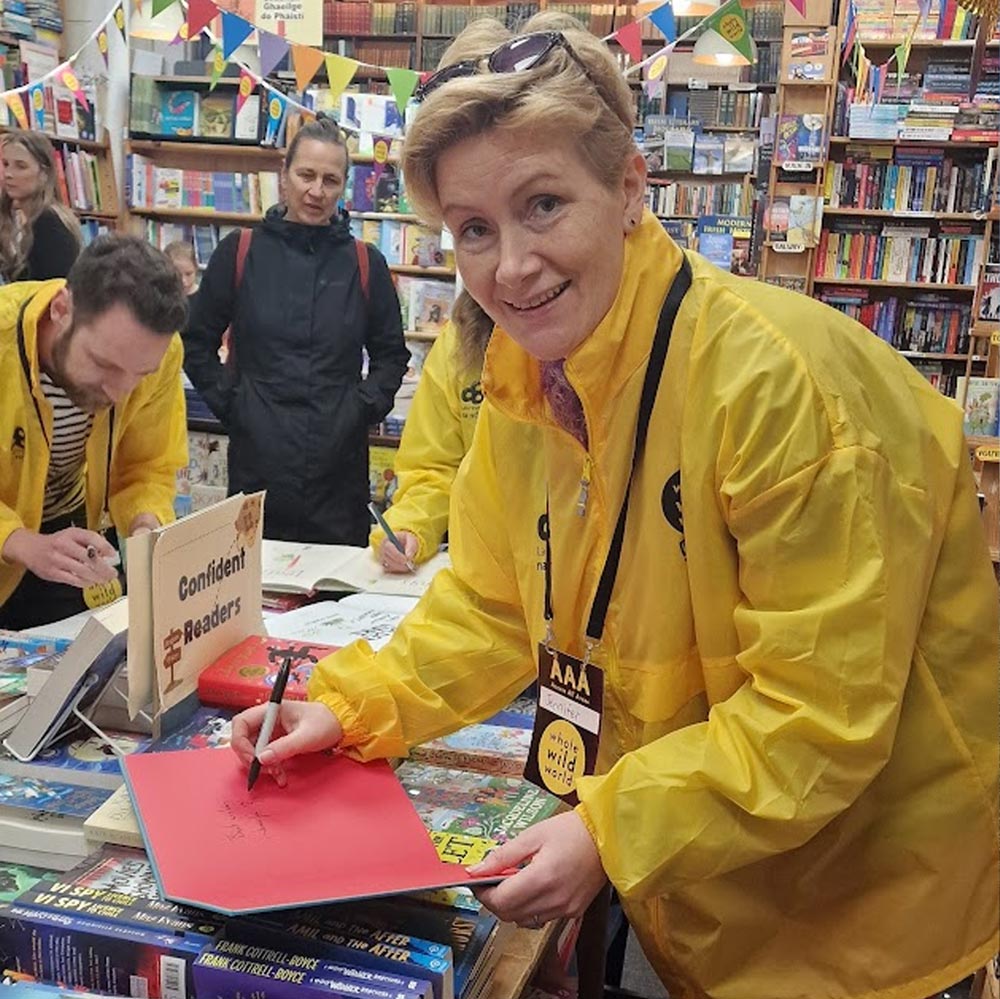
pixel 362 251
pixel 241 256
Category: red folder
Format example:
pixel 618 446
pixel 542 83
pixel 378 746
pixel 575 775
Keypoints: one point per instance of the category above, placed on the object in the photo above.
pixel 339 830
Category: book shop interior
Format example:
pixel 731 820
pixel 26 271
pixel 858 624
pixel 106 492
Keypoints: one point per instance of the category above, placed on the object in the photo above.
pixel 302 696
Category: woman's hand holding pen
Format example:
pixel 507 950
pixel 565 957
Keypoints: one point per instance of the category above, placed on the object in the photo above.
pixel 560 876
pixel 394 560
pixel 304 727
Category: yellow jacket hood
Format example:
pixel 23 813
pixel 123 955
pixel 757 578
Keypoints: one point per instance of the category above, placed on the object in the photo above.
pixel 796 793
pixel 147 431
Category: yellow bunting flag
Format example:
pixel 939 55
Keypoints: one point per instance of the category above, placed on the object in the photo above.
pixel 219 63
pixel 102 45
pixel 340 71
pixel 306 60
pixel 16 105
pixel 68 79
pixel 247 83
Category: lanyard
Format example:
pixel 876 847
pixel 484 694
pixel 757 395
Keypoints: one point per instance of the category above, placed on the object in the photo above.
pixel 651 382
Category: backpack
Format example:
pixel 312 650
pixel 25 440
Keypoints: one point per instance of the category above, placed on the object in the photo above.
pixel 243 248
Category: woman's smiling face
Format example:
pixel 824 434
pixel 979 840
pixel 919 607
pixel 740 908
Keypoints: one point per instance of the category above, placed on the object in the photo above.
pixel 540 242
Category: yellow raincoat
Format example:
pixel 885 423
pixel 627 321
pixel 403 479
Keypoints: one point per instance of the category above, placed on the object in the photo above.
pixel 149 426
pixel 797 789
pixel 436 437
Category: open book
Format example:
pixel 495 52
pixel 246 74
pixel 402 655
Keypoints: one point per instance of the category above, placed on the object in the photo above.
pixel 290 567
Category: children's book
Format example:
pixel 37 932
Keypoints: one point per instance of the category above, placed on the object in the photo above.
pixel 27 795
pixel 87 667
pixel 16 878
pixel 293 567
pixel 982 407
pixel 679 150
pixel 489 749
pixel 430 304
pixel 738 154
pixel 776 218
pixel 114 822
pixel 335 625
pixel 246 124
pixel 179 112
pixel 215 116
pixel 709 154
pixel 244 675
pixel 805 217
pixel 382 847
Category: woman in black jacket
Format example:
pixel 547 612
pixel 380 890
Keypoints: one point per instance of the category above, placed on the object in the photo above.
pixel 39 237
pixel 305 304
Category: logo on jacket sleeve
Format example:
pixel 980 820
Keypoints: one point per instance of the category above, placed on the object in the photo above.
pixel 17 443
pixel 673 510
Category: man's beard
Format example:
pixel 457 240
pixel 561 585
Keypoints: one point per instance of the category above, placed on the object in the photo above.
pixel 87 399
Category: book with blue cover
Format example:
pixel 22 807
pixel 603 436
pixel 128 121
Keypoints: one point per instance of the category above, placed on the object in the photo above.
pixel 24 794
pixel 179 112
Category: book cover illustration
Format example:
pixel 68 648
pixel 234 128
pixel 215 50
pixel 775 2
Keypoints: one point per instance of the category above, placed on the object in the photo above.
pixel 179 112
pixel 29 795
pixel 776 219
pixel 489 806
pixel 18 878
pixel 245 674
pixel 809 55
pixel 493 749
pixel 431 304
pixel 709 154
pixel 114 822
pixel 804 219
pixel 86 761
pixel 738 154
pixel 207 728
pixel 982 407
pixel 989 294
pixel 216 113
pixel 679 150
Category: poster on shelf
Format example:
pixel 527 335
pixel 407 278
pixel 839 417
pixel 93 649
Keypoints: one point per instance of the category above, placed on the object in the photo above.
pixel 297 21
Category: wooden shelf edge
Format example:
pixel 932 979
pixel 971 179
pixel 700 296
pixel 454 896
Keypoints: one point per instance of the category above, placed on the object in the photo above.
pixel 877 283
pixel 204 148
pixel 207 215
pixel 421 271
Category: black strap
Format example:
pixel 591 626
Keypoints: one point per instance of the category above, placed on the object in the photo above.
pixel 650 385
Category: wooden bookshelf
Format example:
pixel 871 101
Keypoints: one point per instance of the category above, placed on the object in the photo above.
pixel 250 150
pixel 976 144
pixel 202 216
pixel 415 271
pixel 967 289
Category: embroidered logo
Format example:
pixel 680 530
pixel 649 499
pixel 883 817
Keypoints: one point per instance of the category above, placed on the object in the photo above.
pixel 673 509
pixel 17 442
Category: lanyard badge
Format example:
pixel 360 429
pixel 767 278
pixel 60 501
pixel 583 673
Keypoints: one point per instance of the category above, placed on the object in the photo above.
pixel 567 723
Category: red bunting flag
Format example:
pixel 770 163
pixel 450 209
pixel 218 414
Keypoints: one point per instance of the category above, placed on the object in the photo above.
pixel 200 14
pixel 629 38
pixel 247 83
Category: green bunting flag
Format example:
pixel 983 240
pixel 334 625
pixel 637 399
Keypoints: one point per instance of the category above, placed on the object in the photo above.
pixel 402 82
pixel 730 22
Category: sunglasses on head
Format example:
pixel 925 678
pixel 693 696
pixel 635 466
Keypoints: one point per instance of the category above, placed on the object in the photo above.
pixel 516 56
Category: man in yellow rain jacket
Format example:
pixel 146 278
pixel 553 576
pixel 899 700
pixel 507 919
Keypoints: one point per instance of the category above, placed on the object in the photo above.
pixel 437 435
pixel 796 791
pixel 92 424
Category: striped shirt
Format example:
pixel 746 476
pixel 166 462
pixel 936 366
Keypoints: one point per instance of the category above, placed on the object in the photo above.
pixel 64 487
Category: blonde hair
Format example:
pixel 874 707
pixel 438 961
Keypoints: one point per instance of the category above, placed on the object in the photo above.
pixel 17 234
pixel 595 108
pixel 474 329
pixel 181 249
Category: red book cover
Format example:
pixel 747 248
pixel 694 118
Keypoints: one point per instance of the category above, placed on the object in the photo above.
pixel 245 674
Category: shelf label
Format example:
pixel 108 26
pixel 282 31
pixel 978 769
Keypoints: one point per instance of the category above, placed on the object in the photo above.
pixel 988 452
pixel 788 247
pixel 798 166
pixel 995 338
pixel 694 84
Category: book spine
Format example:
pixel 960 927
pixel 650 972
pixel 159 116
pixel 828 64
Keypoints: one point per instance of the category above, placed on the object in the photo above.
pixel 85 953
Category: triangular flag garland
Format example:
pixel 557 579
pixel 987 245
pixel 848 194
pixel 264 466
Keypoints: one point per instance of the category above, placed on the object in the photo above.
pixel 381 144
pixel 102 45
pixel 68 79
pixel 159 6
pixel 245 89
pixel 273 48
pixel 799 6
pixel 182 34
pixel 36 100
pixel 306 61
pixel 235 31
pixel 629 37
pixel 402 82
pixel 118 16
pixel 16 106
pixel 276 104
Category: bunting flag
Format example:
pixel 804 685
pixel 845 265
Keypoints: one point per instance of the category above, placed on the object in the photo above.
pixel 219 63
pixel 881 74
pixel 306 60
pixel 850 34
pixel 235 31
pixel 902 54
pixel 860 86
pixel 339 71
pixel 924 6
pixel 656 66
pixel 629 37
pixel 276 104
pixel 182 34
pixel 245 89
pixel 137 6
pixel 799 6
pixel 68 79
pixel 16 106
pixel 402 82
pixel 159 6
pixel 36 101
pixel 663 18
pixel 381 144
pixel 102 45
pixel 200 14
pixel 730 21
pixel 273 48
pixel 119 18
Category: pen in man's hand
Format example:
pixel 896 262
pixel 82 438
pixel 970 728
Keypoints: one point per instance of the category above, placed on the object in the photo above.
pixel 270 717
pixel 393 540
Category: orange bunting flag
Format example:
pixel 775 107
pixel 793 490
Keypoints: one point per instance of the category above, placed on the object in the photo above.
pixel 629 38
pixel 340 71
pixel 247 83
pixel 68 79
pixel 16 105
pixel 306 60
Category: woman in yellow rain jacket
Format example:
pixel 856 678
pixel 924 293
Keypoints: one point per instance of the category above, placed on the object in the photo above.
pixel 437 435
pixel 795 790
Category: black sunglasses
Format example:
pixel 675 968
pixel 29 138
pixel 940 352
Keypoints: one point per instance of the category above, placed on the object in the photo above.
pixel 516 56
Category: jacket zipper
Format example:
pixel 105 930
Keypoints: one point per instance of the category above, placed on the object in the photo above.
pixel 581 503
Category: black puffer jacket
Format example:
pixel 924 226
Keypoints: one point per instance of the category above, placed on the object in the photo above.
pixel 294 402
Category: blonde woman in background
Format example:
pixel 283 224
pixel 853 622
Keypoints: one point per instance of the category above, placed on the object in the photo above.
pixel 39 237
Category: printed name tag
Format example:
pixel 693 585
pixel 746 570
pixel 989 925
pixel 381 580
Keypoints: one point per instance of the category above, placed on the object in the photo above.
pixel 567 724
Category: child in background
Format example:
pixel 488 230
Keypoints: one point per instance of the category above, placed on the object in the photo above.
pixel 181 254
